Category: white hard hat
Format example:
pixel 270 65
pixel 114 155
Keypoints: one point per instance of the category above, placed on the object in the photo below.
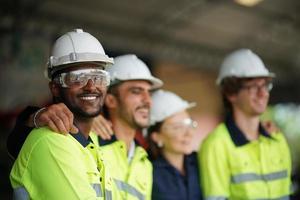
pixel 165 104
pixel 243 63
pixel 130 67
pixel 74 47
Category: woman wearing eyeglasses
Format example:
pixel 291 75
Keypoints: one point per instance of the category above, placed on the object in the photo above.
pixel 175 168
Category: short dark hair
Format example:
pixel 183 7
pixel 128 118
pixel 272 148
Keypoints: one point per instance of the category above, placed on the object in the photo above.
pixel 113 90
pixel 230 86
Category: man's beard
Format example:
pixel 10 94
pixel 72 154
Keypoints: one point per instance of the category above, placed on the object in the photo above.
pixel 76 110
pixel 131 120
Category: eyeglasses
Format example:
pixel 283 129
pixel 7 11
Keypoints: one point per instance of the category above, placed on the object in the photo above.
pixel 254 88
pixel 79 78
pixel 181 127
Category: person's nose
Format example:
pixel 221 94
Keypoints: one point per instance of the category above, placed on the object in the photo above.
pixel 189 131
pixel 147 98
pixel 263 90
pixel 90 85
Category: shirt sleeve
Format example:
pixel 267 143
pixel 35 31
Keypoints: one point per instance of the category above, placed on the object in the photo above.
pixel 286 149
pixel 214 169
pixel 150 184
pixel 18 135
pixel 60 173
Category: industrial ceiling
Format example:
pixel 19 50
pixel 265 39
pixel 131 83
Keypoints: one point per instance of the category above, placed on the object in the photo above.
pixel 195 33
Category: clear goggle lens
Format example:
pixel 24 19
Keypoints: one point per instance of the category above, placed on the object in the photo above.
pixel 79 78
pixel 183 126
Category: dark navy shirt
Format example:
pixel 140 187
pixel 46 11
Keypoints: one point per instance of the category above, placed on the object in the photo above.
pixel 169 184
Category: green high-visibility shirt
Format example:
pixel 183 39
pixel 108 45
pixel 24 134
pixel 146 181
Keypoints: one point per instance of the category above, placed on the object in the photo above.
pixel 54 166
pixel 133 179
pixel 232 168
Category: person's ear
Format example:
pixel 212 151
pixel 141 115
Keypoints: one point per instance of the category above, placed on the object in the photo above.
pixel 156 137
pixel 54 88
pixel 231 98
pixel 111 101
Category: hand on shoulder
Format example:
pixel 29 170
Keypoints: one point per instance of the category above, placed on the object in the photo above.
pixel 57 117
pixel 270 127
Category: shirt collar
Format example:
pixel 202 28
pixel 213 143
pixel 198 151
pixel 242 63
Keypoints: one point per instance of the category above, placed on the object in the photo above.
pixel 81 139
pixel 188 160
pixel 107 142
pixel 237 136
pixel 112 140
pixel 161 161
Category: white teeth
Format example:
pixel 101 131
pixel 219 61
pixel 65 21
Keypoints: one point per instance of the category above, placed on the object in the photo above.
pixel 88 98
pixel 143 110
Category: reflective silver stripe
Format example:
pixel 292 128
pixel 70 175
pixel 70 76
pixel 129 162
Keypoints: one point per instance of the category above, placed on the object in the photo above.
pixel 280 198
pixel 292 189
pixel 224 198
pixel 97 188
pixel 20 193
pixel 215 198
pixel 108 195
pixel 129 189
pixel 246 177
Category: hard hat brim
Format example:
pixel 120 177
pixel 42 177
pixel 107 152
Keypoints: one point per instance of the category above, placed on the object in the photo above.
pixel 270 75
pixel 155 82
pixel 50 74
pixel 187 105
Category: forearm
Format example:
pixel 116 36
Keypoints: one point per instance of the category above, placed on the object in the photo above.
pixel 21 130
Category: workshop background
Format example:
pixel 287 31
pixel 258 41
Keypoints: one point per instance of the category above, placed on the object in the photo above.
pixel 182 41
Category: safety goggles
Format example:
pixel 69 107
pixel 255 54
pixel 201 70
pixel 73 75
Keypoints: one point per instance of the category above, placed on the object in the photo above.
pixel 181 127
pixel 254 88
pixel 79 78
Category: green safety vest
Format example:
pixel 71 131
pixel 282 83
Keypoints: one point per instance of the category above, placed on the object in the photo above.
pixel 260 169
pixel 134 179
pixel 54 166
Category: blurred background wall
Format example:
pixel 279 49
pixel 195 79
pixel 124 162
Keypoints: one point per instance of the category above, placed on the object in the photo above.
pixel 183 42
